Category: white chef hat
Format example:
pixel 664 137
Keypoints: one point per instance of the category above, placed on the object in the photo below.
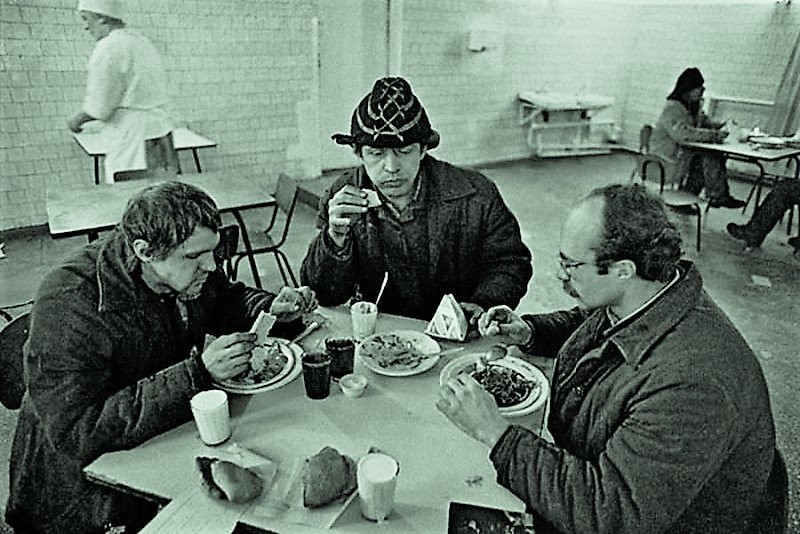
pixel 110 8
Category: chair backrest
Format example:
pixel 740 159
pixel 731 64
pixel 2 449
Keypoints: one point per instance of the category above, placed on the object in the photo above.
pixel 772 515
pixel 644 138
pixel 12 383
pixel 226 249
pixel 286 200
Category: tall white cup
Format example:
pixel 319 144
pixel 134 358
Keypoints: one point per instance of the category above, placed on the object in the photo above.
pixel 364 316
pixel 210 410
pixel 377 478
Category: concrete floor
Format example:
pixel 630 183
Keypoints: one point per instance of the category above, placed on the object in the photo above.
pixel 538 192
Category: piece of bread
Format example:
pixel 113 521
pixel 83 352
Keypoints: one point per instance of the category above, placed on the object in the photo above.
pixel 227 481
pixel 327 476
pixel 449 321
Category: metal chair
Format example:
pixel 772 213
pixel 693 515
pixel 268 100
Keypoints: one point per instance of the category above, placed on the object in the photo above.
pixel 672 196
pixel 226 249
pixel 285 202
pixel 12 338
pixel 772 515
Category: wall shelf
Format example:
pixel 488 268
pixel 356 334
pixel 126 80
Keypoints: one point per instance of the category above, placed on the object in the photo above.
pixel 562 125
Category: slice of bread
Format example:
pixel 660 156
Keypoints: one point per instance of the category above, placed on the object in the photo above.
pixel 449 321
pixel 327 476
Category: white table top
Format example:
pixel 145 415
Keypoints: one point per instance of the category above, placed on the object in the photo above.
pixel 99 207
pixel 439 464
pixel 564 102
pixel 94 144
pixel 747 150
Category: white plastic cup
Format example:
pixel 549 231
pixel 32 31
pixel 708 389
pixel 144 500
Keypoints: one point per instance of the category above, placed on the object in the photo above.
pixel 211 414
pixel 377 478
pixel 364 315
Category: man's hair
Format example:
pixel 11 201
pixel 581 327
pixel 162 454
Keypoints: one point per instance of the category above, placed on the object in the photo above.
pixel 166 215
pixel 636 228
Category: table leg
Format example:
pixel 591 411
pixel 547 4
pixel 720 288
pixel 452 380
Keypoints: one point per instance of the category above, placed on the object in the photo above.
pixel 196 160
pixel 96 170
pixel 248 248
pixel 756 186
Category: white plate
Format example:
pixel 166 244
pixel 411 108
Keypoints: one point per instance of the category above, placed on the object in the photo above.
pixel 421 342
pixel 530 404
pixel 293 353
pixel 769 142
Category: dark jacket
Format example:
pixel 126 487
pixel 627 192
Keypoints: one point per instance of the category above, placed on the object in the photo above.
pixel 109 365
pixel 671 432
pixel 474 243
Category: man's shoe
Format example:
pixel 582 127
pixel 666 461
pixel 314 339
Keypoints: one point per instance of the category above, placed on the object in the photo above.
pixel 726 202
pixel 739 231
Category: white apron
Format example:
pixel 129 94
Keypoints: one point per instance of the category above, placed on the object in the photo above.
pixel 126 132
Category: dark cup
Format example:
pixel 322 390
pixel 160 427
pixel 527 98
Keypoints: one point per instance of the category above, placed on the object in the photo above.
pixel 342 351
pixel 317 374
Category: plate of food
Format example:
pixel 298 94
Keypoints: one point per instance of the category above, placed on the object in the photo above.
pixel 274 362
pixel 518 387
pixel 398 353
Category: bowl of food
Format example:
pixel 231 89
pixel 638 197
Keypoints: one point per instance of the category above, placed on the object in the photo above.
pixel 353 385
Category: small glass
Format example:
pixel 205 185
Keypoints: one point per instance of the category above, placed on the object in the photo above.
pixel 342 352
pixel 317 374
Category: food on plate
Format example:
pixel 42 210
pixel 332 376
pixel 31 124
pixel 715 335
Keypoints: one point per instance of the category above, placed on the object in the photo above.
pixel 449 321
pixel 327 476
pixel 507 386
pixel 266 361
pixel 392 351
pixel 228 481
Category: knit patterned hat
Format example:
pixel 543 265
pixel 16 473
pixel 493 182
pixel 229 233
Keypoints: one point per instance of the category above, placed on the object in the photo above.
pixel 389 117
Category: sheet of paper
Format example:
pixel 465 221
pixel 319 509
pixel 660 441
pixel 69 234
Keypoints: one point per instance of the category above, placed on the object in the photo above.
pixel 195 511
pixel 761 281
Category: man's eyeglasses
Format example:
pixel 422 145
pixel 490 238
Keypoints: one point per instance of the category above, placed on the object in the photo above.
pixel 568 265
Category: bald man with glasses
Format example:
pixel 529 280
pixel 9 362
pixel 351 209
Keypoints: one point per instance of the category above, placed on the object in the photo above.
pixel 659 412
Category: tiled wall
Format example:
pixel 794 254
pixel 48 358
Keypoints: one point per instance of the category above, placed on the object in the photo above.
pixel 243 73
pixel 239 72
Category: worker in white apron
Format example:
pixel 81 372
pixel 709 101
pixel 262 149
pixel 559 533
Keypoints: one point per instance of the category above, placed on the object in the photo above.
pixel 126 91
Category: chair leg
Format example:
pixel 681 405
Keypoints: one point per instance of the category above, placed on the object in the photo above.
pixel 285 269
pixel 699 228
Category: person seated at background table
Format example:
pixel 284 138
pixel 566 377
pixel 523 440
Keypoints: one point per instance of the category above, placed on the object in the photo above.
pixel 659 410
pixel 783 197
pixel 116 351
pixel 126 89
pixel 683 121
pixel 440 229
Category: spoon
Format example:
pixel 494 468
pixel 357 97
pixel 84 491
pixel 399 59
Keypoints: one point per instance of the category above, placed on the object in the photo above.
pixel 383 286
pixel 496 352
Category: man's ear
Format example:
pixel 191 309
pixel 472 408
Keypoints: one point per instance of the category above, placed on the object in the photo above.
pixel 624 269
pixel 141 249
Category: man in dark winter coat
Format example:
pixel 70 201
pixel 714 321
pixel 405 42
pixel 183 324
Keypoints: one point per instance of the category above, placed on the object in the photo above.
pixel 659 413
pixel 435 228
pixel 117 349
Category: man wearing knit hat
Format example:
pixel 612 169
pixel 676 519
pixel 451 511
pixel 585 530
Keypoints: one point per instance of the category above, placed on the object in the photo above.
pixel 683 121
pixel 436 229
pixel 125 90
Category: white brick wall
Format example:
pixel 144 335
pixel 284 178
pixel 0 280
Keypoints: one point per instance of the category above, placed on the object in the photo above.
pixel 240 70
pixel 237 71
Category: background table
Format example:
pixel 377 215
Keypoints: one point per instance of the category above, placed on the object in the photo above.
pixel 184 139
pixel 438 463
pixel 751 154
pixel 89 210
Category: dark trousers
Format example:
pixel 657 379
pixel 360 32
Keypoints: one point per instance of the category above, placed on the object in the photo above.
pixel 767 214
pixel 707 170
